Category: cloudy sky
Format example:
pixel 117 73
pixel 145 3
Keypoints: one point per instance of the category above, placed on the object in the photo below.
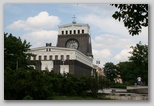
pixel 38 24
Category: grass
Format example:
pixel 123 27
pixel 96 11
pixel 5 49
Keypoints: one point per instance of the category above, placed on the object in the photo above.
pixel 77 98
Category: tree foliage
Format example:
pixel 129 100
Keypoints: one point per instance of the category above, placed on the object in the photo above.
pixel 44 85
pixel 15 52
pixel 126 72
pixel 140 59
pixel 134 16
pixel 110 71
pixel 137 65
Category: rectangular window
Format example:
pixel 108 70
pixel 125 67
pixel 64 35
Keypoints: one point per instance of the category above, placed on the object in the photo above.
pixel 45 57
pixel 82 31
pixel 70 32
pixel 74 31
pixel 62 32
pixel 49 49
pixel 62 57
pixel 67 57
pixel 78 31
pixel 66 32
pixel 56 57
pixel 50 57
pixel 39 57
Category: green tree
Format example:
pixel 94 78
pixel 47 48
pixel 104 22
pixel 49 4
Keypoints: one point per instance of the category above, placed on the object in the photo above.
pixel 15 52
pixel 27 83
pixel 126 72
pixel 134 16
pixel 110 71
pixel 140 59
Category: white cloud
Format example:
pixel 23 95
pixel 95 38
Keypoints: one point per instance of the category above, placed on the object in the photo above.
pixel 101 9
pixel 41 21
pixel 143 36
pixel 111 41
pixel 41 37
pixel 104 24
pixel 123 55
pixel 102 55
pixel 39 26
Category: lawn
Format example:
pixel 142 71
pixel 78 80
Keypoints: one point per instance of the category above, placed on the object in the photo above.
pixel 77 98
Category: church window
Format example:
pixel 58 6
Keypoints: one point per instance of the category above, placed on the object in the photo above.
pixel 45 57
pixel 66 32
pixel 82 31
pixel 70 32
pixel 50 57
pixel 39 57
pixel 78 31
pixel 56 57
pixel 62 32
pixel 74 31
pixel 67 57
pixel 62 57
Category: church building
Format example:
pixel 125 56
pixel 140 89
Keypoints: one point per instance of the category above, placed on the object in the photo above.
pixel 72 54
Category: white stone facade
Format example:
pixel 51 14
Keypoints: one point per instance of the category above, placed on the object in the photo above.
pixel 73 29
pixel 48 54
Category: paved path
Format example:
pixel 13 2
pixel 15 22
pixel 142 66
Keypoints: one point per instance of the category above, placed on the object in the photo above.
pixel 110 90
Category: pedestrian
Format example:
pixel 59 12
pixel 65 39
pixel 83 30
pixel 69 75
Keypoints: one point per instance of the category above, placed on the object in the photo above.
pixel 138 80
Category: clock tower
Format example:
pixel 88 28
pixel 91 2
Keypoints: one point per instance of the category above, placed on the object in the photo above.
pixel 75 36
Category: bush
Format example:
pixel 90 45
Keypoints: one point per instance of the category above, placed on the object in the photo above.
pixel 43 85
pixel 28 98
pixel 118 85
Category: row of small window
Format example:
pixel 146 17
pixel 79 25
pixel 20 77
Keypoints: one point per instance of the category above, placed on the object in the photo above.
pixel 51 57
pixel 70 32
pixel 48 49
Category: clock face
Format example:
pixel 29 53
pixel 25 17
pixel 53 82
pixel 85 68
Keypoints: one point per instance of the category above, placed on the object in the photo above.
pixel 72 44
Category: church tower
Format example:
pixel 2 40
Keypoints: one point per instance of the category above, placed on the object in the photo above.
pixel 75 36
